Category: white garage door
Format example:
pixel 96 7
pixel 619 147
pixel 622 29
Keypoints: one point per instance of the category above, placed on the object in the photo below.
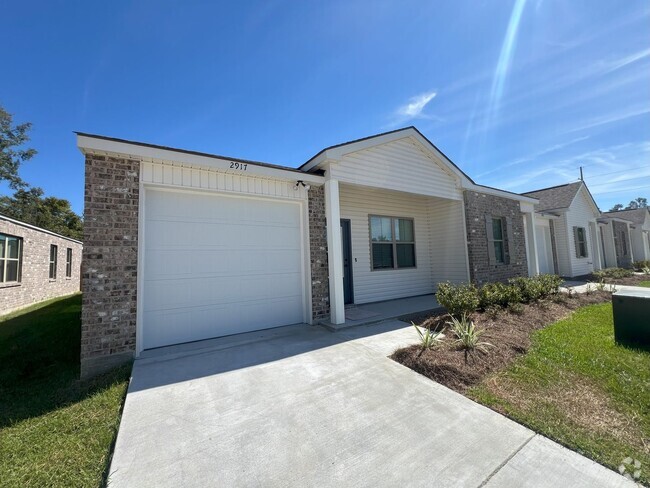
pixel 218 265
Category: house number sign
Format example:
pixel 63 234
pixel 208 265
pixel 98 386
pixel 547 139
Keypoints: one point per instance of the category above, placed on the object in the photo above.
pixel 241 166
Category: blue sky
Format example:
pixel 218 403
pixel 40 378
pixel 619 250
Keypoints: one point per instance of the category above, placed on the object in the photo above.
pixel 518 93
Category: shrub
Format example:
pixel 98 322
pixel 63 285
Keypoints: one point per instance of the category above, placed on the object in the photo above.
pixel 536 287
pixel 641 265
pixel 467 334
pixel 612 273
pixel 458 299
pixel 428 338
pixel 498 295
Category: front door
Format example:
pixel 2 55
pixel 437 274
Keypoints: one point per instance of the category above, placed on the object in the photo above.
pixel 346 243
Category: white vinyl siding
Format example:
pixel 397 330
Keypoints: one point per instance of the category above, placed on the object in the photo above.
pixel 544 246
pixel 640 240
pixel 198 178
pixel 580 214
pixel 399 165
pixel 438 232
pixel 447 241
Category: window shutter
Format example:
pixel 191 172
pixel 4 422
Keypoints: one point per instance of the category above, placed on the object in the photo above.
pixel 506 239
pixel 575 241
pixel 490 239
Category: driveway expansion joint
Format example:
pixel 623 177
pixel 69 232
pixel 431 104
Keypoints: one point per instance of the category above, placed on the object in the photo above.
pixel 507 460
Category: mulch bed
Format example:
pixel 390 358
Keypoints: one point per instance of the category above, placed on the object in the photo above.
pixel 630 280
pixel 508 332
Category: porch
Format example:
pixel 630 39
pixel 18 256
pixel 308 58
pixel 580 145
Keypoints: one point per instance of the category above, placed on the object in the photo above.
pixel 390 251
pixel 370 313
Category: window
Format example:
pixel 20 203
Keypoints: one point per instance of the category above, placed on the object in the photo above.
pixel 392 241
pixel 580 238
pixel 68 263
pixel 624 243
pixel 11 255
pixel 498 240
pixel 497 229
pixel 53 258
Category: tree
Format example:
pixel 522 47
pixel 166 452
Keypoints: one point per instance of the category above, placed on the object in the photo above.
pixel 51 213
pixel 12 137
pixel 639 202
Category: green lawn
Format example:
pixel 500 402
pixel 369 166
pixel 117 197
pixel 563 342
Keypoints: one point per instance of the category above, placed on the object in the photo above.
pixel 576 386
pixel 645 283
pixel 54 429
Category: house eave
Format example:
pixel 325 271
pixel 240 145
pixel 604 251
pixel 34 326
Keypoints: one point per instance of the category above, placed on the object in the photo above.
pixel 101 145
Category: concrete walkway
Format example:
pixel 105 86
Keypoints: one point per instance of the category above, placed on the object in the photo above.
pixel 300 406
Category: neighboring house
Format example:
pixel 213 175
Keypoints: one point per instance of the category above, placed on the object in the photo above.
pixel 35 265
pixel 566 227
pixel 183 246
pixel 635 225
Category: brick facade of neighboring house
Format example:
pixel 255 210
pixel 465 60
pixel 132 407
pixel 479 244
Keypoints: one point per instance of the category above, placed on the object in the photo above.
pixel 622 244
pixel 318 254
pixel 34 283
pixel 478 206
pixel 110 263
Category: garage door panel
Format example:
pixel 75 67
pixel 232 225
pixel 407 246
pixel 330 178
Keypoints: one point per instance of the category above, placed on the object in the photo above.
pixel 189 263
pixel 215 265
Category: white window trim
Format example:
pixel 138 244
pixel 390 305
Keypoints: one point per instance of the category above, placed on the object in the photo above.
pixel 6 259
pixel 393 242
pixel 583 242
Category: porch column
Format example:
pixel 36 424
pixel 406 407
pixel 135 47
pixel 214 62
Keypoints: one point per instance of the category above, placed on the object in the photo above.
pixel 334 251
pixel 595 245
pixel 531 243
pixel 629 243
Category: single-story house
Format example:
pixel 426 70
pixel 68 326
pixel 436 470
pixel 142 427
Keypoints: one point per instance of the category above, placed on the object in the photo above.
pixel 35 265
pixel 567 230
pixel 637 222
pixel 182 246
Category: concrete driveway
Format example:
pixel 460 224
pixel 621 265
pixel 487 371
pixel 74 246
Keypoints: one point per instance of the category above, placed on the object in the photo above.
pixel 300 406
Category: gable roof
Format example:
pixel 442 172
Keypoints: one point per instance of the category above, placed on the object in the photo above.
pixel 310 169
pixel 556 197
pixel 634 215
pixel 377 138
pixel 337 151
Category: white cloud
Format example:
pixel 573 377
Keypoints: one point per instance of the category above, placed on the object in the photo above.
pixel 413 109
pixel 620 169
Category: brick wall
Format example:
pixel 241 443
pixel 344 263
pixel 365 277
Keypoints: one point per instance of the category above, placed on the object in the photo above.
pixel 110 261
pixel 35 284
pixel 318 253
pixel 477 206
pixel 620 229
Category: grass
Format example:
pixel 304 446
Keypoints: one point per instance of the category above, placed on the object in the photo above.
pixel 645 283
pixel 55 430
pixel 576 386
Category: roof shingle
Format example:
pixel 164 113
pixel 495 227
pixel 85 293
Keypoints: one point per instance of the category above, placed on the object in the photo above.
pixel 635 215
pixel 555 197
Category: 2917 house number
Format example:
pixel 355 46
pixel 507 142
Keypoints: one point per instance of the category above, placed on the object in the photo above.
pixel 241 166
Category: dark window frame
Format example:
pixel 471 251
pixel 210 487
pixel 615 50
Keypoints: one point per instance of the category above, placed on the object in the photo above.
pixel 5 259
pixel 68 263
pixel 54 258
pixel 393 242
pixel 580 237
pixel 494 259
pixel 499 257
